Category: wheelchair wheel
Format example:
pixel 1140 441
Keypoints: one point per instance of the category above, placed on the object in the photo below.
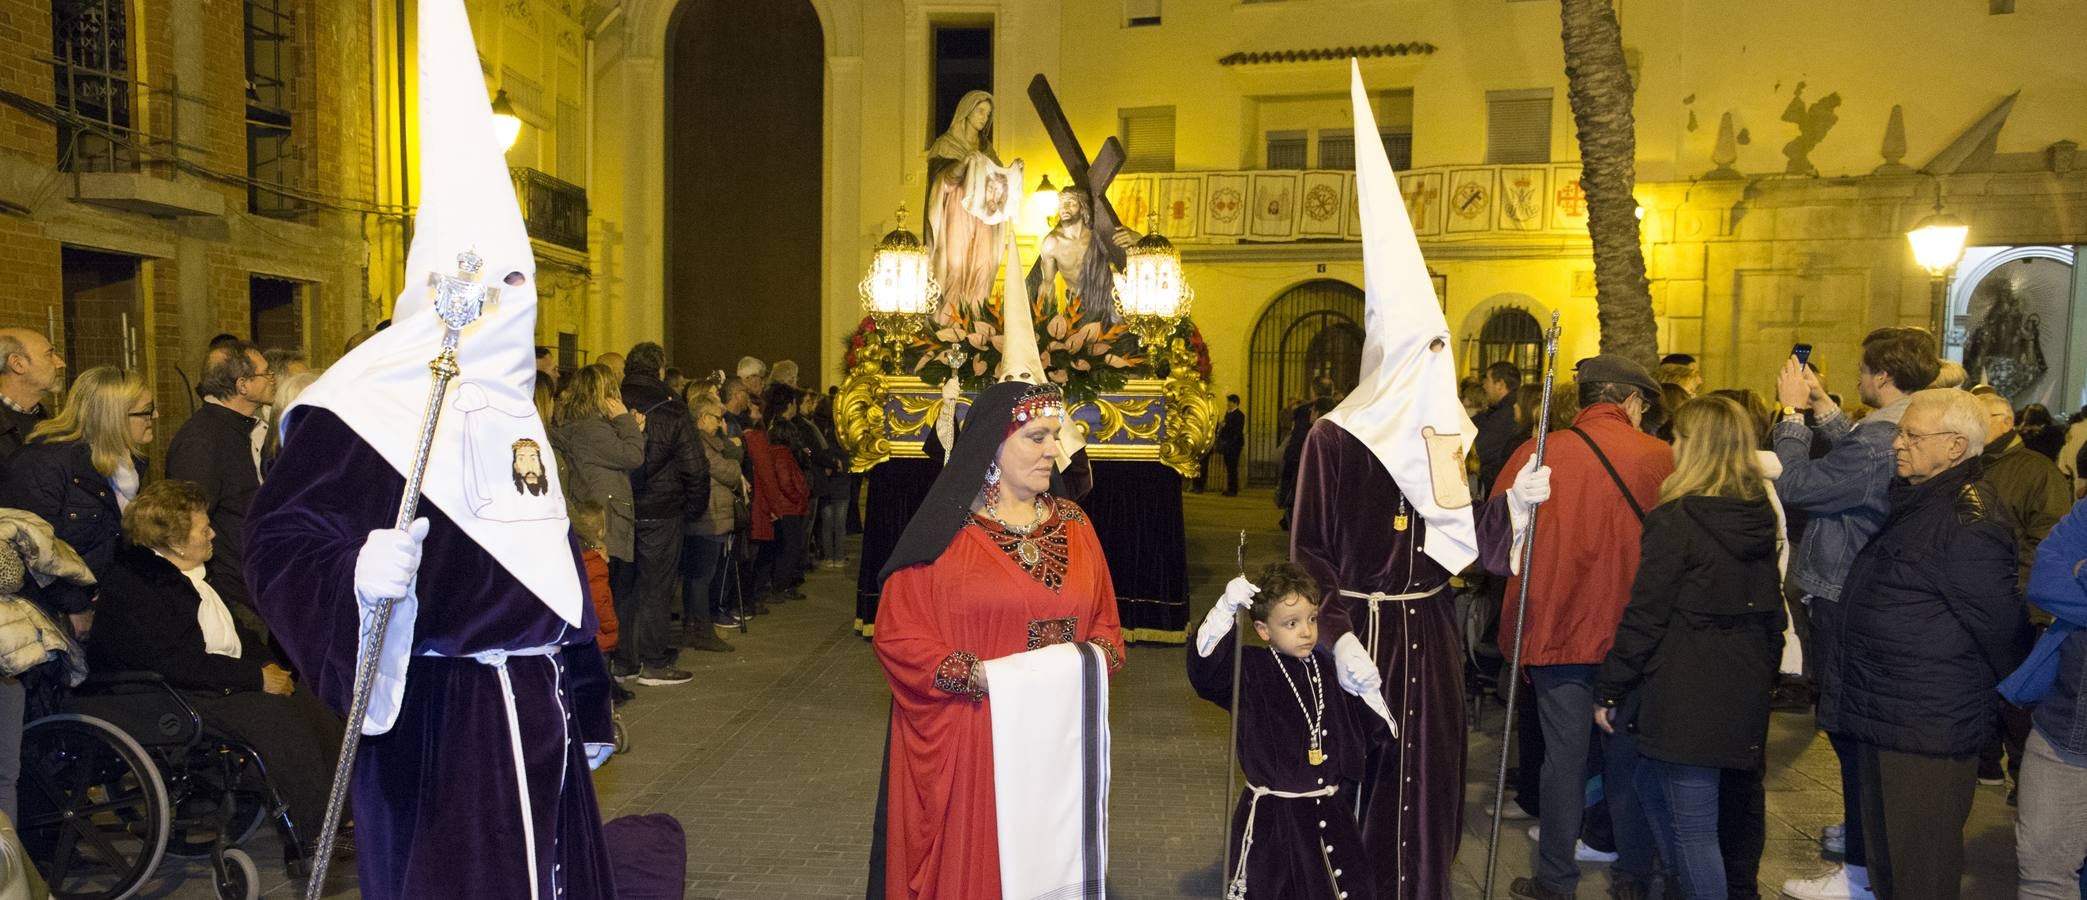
pixel 622 735
pixel 198 814
pixel 95 816
pixel 237 877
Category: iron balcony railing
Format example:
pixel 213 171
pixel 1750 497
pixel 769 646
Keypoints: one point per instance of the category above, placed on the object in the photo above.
pixel 554 211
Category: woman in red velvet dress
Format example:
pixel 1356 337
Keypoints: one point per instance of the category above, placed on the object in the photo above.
pixel 993 565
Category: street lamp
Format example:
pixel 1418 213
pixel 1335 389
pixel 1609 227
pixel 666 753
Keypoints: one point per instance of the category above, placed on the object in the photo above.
pixel 506 125
pixel 1151 295
pixel 1938 242
pixel 898 293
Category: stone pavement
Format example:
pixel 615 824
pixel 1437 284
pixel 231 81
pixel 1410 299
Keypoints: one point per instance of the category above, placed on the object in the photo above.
pixel 770 761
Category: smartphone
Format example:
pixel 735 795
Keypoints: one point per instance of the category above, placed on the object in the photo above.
pixel 1803 352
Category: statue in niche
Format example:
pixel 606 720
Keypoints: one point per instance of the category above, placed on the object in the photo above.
pixel 1813 122
pixel 964 249
pixel 1073 251
pixel 2006 350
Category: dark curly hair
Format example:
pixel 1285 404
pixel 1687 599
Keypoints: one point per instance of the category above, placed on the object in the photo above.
pixel 1280 580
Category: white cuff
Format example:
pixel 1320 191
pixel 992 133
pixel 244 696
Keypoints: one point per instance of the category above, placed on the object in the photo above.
pixel 597 754
pixel 1216 624
pixel 1518 525
pixel 388 689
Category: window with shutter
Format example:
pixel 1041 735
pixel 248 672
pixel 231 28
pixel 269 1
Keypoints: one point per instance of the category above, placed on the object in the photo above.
pixel 572 143
pixel 1286 150
pixel 1336 148
pixel 1518 126
pixel 1138 13
pixel 1399 146
pixel 1148 138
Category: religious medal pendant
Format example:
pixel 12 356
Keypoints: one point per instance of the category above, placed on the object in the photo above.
pixel 1030 554
pixel 1315 756
pixel 1400 522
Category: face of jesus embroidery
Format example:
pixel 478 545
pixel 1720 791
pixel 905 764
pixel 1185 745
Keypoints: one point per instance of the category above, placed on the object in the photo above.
pixel 529 475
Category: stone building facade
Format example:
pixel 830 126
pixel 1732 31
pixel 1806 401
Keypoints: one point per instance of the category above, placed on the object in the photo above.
pixel 1784 150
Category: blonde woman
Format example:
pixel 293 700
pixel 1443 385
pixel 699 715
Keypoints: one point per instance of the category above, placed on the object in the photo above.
pixel 81 468
pixel 1695 656
pixel 602 441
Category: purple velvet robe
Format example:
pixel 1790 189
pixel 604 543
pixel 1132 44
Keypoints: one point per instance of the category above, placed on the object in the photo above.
pixel 436 802
pixel 1304 847
pixel 1342 532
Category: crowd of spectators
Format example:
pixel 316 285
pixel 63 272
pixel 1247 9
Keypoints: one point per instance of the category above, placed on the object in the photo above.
pixel 702 500
pixel 1888 562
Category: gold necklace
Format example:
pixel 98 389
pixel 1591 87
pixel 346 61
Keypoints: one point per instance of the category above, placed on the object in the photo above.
pixel 1024 544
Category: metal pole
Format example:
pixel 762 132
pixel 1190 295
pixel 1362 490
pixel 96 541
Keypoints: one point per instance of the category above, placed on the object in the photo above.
pixel 1938 309
pixel 442 369
pixel 1224 872
pixel 1514 659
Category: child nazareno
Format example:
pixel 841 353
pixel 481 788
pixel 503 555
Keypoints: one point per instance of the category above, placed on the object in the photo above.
pixel 1302 740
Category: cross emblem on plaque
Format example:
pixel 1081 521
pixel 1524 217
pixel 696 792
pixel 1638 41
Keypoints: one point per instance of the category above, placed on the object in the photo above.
pixel 1095 177
pixel 459 299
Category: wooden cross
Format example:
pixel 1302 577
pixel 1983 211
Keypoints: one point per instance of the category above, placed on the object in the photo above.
pixel 1094 177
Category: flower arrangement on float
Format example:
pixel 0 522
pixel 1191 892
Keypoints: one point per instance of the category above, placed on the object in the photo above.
pixel 1085 357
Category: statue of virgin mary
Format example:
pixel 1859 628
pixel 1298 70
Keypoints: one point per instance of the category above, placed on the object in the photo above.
pixel 963 249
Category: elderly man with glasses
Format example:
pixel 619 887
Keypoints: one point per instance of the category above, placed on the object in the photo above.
pixel 223 449
pixel 1933 620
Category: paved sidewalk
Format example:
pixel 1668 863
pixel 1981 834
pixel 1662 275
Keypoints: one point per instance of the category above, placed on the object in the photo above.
pixel 770 760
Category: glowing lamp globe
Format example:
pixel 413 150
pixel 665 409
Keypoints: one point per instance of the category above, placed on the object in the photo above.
pixel 506 125
pixel 1151 296
pixel 898 293
pixel 1042 203
pixel 1938 242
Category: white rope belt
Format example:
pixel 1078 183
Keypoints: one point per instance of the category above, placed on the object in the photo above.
pixel 1379 597
pixel 1246 834
pixel 498 660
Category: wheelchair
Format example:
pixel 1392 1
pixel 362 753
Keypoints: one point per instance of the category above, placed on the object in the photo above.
pixel 127 773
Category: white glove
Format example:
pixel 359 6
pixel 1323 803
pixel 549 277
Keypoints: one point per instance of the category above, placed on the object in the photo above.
pixel 1531 486
pixel 1354 667
pixel 1358 675
pixel 598 754
pixel 1217 623
pixel 387 564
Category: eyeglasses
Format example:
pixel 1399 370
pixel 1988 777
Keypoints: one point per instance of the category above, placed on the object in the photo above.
pixel 268 375
pixel 1911 438
pixel 150 412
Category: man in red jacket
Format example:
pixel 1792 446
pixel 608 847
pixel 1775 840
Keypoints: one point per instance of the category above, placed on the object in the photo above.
pixel 1606 473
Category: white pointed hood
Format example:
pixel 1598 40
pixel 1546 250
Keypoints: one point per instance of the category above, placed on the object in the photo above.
pixel 491 469
pixel 1019 358
pixel 1405 408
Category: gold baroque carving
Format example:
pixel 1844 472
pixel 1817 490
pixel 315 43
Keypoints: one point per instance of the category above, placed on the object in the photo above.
pixel 1191 422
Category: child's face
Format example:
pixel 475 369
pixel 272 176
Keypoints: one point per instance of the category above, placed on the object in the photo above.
pixel 1292 627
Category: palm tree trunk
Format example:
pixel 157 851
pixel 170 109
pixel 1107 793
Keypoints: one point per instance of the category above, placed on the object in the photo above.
pixel 1599 87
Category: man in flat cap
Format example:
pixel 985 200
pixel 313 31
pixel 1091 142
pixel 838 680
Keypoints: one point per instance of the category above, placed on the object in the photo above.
pixel 1606 472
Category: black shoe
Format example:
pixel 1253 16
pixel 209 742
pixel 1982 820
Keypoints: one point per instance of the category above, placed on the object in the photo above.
pixel 660 676
pixel 725 619
pixel 619 695
pixel 1528 889
pixel 793 594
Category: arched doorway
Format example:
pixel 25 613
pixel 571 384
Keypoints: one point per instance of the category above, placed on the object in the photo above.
pixel 2011 310
pixel 1510 334
pixel 744 151
pixel 1311 331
